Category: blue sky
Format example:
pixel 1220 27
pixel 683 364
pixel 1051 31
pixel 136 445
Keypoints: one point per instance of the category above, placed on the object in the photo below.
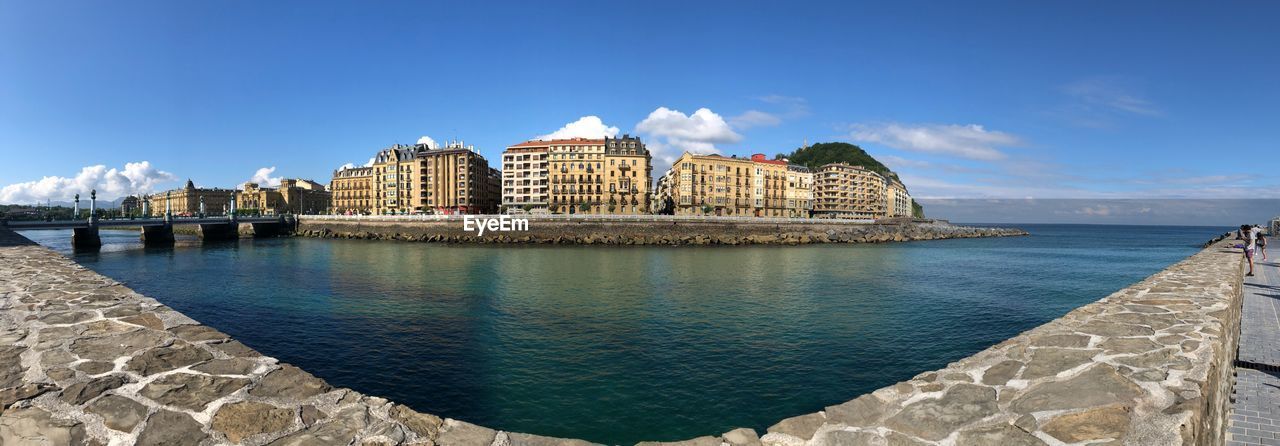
pixel 964 99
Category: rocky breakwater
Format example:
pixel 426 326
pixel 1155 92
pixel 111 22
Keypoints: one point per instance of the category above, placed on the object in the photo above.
pixel 85 360
pixel 645 232
pixel 1149 365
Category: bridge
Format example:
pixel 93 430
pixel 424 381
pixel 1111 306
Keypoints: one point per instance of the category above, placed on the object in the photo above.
pixel 156 231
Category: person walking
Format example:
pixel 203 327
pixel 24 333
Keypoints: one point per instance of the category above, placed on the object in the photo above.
pixel 1262 242
pixel 1250 235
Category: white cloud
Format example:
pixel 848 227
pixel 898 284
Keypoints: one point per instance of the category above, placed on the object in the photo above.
pixel 754 118
pixel 263 177
pixel 368 163
pixel 135 178
pixel 966 141
pixel 431 143
pixel 347 166
pixel 670 133
pixel 585 127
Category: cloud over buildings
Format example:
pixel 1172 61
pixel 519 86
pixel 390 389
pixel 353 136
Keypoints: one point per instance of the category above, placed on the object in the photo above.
pixel 263 177
pixel 431 143
pixel 970 141
pixel 669 133
pixel 111 183
pixel 585 127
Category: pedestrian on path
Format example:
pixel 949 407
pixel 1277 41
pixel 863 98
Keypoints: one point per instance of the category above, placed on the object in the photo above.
pixel 1262 242
pixel 1250 244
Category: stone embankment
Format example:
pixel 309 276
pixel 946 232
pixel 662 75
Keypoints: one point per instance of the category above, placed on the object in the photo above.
pixel 1150 364
pixel 85 360
pixel 644 232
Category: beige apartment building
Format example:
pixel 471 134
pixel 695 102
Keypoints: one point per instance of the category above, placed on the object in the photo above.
pixel 185 202
pixel 844 191
pixel 898 199
pixel 352 191
pixel 417 179
pixel 799 192
pixel 293 196
pixel 455 179
pixel 719 185
pixel 394 175
pixel 712 185
pixel 590 176
pixel 769 187
pixel 525 182
pixel 628 179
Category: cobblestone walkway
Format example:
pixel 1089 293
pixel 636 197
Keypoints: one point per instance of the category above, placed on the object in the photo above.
pixel 1255 408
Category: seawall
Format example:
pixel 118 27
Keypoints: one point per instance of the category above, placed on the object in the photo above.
pixel 639 231
pixel 86 360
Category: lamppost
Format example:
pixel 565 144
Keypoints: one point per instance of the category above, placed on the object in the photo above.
pixel 168 209
pixel 75 212
pixel 93 206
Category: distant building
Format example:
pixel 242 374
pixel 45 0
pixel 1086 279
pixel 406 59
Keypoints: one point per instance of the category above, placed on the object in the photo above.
pixel 799 192
pixel 589 176
pixel 769 187
pixel 898 200
pixel 455 179
pixel 130 205
pixel 525 176
pixel 185 202
pixel 351 191
pixel 293 196
pixel 711 185
pixel 418 179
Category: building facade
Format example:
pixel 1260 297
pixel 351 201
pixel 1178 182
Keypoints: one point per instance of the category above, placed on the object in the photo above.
pixel 419 179
pixel 769 187
pixel 712 185
pixel 351 191
pixel 799 192
pixel 590 176
pixel 899 200
pixel 628 176
pixel 185 202
pixel 525 182
pixel 293 196
pixel 844 191
pixel 394 178
pixel 455 179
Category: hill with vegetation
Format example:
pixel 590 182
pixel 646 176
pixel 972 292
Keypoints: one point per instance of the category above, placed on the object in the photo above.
pixel 820 154
pixel 824 153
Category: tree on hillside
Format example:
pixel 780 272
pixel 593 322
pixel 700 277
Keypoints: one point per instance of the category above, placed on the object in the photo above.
pixel 820 154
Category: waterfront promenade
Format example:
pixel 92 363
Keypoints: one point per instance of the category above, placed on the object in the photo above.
pixel 1255 408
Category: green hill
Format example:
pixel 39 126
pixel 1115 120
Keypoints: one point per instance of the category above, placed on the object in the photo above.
pixel 820 154
pixel 824 153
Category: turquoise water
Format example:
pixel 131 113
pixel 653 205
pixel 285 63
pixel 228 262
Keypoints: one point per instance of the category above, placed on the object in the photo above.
pixel 620 344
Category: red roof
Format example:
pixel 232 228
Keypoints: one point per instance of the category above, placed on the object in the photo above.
pixel 760 158
pixel 558 142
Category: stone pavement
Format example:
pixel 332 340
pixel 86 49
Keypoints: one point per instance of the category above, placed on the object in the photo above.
pixel 1255 409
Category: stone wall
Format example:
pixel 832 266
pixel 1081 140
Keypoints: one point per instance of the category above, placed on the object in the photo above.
pixel 86 360
pixel 646 232
pixel 1150 364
